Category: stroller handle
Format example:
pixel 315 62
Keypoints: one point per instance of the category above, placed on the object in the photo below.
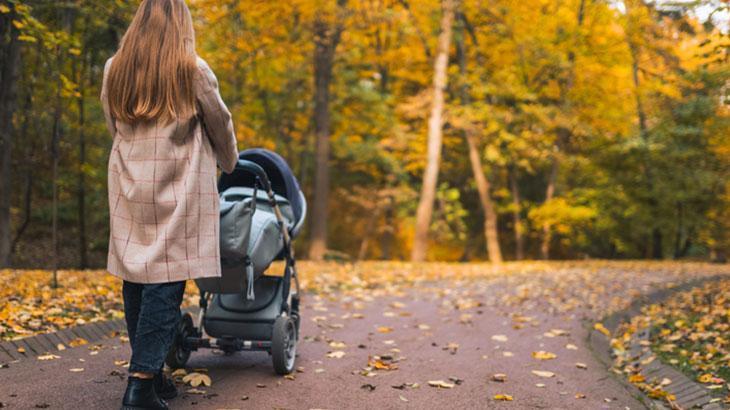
pixel 255 169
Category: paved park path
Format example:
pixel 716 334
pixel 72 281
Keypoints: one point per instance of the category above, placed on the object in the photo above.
pixel 463 332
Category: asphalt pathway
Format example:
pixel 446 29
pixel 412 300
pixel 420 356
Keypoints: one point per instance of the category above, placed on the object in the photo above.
pixel 464 334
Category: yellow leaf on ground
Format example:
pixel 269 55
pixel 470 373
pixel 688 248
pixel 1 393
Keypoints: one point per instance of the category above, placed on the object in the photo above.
pixel 196 379
pixel 543 373
pixel 599 326
pixel 337 354
pixel 637 378
pixel 543 355
pixel 440 384
pixel 179 373
pixel 503 397
pixel 78 342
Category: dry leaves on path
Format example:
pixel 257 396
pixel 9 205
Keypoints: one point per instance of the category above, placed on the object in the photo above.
pixel 441 384
pixel 543 355
pixel 196 379
pixel 689 331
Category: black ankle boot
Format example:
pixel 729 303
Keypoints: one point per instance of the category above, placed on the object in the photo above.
pixel 165 387
pixel 140 395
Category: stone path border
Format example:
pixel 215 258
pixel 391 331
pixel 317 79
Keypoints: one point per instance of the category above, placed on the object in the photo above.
pixel 48 342
pixel 689 394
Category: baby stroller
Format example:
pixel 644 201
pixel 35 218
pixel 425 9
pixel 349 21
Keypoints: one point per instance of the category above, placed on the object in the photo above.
pixel 262 210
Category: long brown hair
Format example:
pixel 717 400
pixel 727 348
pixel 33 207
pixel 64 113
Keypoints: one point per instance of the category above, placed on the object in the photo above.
pixel 151 76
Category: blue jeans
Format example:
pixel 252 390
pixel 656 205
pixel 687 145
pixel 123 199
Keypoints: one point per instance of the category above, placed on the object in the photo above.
pixel 152 312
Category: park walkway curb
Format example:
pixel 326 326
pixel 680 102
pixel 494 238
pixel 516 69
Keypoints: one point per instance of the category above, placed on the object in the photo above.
pixel 689 394
pixel 41 344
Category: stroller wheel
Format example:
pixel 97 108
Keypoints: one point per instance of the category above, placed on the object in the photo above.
pixel 284 345
pixel 178 355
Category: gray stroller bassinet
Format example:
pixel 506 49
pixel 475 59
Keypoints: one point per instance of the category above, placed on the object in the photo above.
pixel 262 210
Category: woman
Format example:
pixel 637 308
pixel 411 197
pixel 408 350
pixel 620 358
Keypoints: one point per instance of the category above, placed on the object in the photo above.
pixel 169 127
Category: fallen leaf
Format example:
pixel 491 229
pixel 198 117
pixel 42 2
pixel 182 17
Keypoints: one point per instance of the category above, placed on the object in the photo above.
pixel 452 347
pixel 337 354
pixel 637 378
pixel 48 356
pixel 543 373
pixel 457 381
pixel 385 329
pixel 543 355
pixel 599 326
pixel 499 377
pixel 176 373
pixel 440 384
pixel 581 365
pixel 571 346
pixel 76 369
pixel 500 338
pixel 503 397
pixel 196 379
pixel 404 386
pixel 79 341
pixel 368 387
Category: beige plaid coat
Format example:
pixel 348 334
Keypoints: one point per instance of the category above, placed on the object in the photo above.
pixel 163 197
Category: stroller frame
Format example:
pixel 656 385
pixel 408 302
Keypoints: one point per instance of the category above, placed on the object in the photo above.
pixel 284 319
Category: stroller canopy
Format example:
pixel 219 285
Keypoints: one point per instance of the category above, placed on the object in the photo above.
pixel 280 175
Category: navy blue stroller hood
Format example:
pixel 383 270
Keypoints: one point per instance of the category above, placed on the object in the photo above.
pixel 280 175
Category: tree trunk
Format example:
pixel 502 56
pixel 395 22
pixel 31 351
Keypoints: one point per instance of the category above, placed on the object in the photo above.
pixel 549 195
pixel 55 154
pixel 435 136
pixel 491 229
pixel 656 234
pixel 517 216
pixel 9 61
pixel 326 42
pixel 491 233
pixel 56 139
pixel 369 231
pixel 81 184
pixel 386 242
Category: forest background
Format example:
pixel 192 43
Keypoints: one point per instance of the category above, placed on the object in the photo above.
pixel 419 129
